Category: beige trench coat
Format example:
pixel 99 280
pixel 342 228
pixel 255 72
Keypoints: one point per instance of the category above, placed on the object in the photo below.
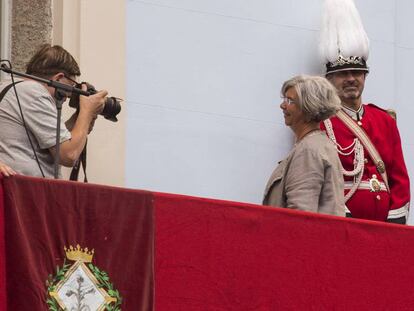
pixel 309 179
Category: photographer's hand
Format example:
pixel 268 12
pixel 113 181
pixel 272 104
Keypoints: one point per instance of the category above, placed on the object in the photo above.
pixel 93 104
pixel 6 170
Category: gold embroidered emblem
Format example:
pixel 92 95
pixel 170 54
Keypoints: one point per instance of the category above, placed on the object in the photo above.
pixel 81 286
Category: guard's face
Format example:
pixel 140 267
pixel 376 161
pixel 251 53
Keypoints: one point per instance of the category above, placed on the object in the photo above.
pixel 292 114
pixel 349 84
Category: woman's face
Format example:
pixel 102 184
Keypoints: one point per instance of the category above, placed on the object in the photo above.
pixel 293 115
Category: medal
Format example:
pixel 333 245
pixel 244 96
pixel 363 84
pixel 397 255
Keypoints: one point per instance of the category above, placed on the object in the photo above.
pixel 374 184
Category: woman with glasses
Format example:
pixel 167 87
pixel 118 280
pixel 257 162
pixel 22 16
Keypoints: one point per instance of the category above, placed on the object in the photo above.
pixel 310 178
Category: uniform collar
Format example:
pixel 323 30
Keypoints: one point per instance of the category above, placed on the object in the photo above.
pixel 354 114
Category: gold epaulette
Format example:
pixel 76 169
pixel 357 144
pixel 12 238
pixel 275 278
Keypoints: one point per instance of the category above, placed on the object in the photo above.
pixel 392 113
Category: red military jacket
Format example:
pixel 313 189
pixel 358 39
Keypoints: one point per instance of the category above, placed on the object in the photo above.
pixel 382 129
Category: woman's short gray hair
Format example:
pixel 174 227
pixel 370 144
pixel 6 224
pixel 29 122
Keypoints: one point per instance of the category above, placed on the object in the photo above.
pixel 317 97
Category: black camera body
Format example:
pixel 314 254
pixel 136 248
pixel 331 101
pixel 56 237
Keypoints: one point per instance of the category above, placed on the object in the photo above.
pixel 112 104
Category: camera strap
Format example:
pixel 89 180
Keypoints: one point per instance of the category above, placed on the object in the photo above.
pixel 6 89
pixel 74 175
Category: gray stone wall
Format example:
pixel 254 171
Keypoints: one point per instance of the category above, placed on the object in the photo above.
pixel 31 26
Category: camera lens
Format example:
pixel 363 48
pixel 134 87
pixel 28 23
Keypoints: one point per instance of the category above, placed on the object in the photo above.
pixel 112 104
pixel 111 109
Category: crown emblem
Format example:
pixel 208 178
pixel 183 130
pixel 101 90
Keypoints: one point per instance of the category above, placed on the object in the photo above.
pixel 351 60
pixel 82 285
pixel 347 63
pixel 79 254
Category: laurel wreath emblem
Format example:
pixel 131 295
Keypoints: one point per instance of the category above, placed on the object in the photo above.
pixel 102 282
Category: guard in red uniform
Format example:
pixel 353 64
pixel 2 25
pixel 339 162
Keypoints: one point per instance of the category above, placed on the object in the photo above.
pixel 377 185
pixel 366 194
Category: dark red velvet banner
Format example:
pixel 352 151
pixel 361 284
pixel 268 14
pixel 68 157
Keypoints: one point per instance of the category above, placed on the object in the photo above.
pixel 215 255
pixel 209 254
pixel 43 216
pixel 2 251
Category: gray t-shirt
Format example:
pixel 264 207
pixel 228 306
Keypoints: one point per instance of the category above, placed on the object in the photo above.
pixel 40 115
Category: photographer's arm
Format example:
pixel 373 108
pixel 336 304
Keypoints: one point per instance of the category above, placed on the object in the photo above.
pixel 89 108
pixel 70 123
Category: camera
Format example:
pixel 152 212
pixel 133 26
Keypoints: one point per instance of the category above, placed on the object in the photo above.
pixel 112 104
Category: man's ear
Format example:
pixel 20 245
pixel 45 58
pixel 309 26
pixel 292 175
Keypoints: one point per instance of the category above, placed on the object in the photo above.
pixel 58 76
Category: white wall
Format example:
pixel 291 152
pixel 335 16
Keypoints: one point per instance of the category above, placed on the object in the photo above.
pixel 93 32
pixel 102 59
pixel 203 81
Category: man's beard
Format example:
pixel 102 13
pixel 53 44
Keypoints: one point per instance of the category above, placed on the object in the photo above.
pixel 351 95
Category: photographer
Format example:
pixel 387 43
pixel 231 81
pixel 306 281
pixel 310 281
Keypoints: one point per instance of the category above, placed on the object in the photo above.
pixel 28 121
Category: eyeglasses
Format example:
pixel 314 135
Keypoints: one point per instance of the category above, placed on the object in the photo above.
pixel 287 100
pixel 74 83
